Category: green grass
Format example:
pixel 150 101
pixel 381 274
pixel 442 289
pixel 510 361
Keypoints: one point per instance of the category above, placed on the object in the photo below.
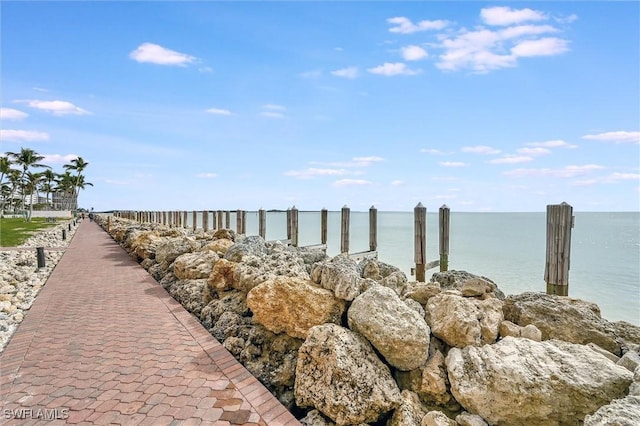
pixel 14 231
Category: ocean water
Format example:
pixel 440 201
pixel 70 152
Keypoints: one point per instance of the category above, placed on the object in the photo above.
pixel 508 248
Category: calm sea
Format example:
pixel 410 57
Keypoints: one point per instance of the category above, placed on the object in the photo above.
pixel 508 248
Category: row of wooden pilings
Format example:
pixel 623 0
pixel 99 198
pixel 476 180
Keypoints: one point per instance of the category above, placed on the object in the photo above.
pixel 222 219
pixel 560 221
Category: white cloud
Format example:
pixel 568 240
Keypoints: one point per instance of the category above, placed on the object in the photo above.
pixel 313 172
pixel 534 151
pixel 397 182
pixel 12 114
pixel 452 164
pixel 390 69
pixel 623 176
pixel 351 182
pixel 366 161
pixel 349 72
pixel 565 172
pixel 511 159
pixel 272 114
pixel 274 107
pixel 552 144
pixel 481 149
pixel 413 53
pixel 219 111
pixel 617 137
pixel 478 50
pixel 273 111
pixel 542 47
pixel 56 107
pixel 23 135
pixel 354 163
pixel 207 175
pixel 156 54
pixel 405 26
pixel 525 30
pixel 503 15
pixel 58 158
pixel 432 151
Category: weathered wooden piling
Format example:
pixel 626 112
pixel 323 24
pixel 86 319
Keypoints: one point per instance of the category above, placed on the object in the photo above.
pixel 443 233
pixel 420 241
pixel 344 229
pixel 324 214
pixel 227 219
pixel 373 228
pixel 262 223
pixel 239 221
pixel 294 226
pixel 560 221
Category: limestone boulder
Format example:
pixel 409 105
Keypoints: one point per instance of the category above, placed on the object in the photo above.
pixel 338 373
pixel 254 269
pixel 563 318
pixel 409 413
pixel 194 266
pixel 221 277
pixel 461 321
pixel 143 244
pixel 429 382
pixel 468 419
pixel 293 305
pixel 398 332
pixel 220 246
pixel 233 301
pixel 437 418
pixel 168 249
pixel 246 246
pixel 422 292
pixel 621 412
pixel 189 294
pixel 342 276
pixel 476 285
pixel 523 382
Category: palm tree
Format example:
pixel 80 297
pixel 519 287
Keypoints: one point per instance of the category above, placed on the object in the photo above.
pixel 26 158
pixel 77 182
pixel 31 186
pixel 47 183
pixel 5 171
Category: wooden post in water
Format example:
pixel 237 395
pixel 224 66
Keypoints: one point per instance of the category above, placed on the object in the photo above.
pixel 443 224
pixel 344 229
pixel 227 219
pixel 420 241
pixel 262 223
pixel 556 272
pixel 289 224
pixel 294 226
pixel 213 219
pixel 323 226
pixel 184 219
pixel 239 221
pixel 205 220
pixel 373 228
pixel 244 222
pixel 220 214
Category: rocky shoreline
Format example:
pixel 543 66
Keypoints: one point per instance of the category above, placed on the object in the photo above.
pixel 20 278
pixel 346 343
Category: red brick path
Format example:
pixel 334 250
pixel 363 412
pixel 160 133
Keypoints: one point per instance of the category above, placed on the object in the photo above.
pixel 105 344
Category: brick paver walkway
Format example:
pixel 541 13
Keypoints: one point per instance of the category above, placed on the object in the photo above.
pixel 105 344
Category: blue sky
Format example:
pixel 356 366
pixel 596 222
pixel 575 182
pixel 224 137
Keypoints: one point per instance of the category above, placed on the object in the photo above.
pixel 505 106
